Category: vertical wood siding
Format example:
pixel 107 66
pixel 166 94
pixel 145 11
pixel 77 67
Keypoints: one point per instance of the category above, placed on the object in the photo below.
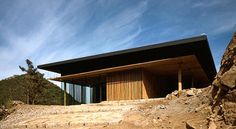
pixel 125 85
pixel 131 84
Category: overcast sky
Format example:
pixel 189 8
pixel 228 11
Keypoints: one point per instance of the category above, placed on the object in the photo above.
pixel 53 30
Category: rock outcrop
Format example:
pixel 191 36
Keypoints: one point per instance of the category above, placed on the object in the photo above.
pixel 224 86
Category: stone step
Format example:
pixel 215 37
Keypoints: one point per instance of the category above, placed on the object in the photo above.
pixel 90 109
pixel 71 120
pixel 129 102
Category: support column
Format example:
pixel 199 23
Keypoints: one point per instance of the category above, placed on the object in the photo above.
pixel 65 94
pixel 73 97
pixel 100 88
pixel 180 78
pixel 192 82
pixel 91 94
pixel 82 94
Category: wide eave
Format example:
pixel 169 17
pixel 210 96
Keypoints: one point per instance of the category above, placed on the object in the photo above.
pixel 197 46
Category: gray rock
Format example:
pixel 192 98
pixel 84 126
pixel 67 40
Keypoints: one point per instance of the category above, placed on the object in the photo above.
pixel 175 93
pixel 190 92
pixel 17 102
pixel 160 107
pixel 198 91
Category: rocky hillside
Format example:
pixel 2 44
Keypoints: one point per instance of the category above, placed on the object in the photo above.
pixel 224 87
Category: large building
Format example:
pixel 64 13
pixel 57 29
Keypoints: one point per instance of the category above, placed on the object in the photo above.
pixel 138 73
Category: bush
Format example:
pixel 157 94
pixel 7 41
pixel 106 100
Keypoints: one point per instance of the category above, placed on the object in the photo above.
pixel 5 108
pixel 6 102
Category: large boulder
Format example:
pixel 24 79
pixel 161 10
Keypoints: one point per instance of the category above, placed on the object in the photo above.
pixel 229 78
pixel 227 74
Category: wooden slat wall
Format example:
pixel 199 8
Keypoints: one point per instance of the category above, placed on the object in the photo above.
pixel 125 85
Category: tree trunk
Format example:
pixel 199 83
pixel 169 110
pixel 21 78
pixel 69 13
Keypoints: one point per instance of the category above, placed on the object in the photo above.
pixel 27 99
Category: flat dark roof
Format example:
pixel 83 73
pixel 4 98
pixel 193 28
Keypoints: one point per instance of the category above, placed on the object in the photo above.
pixel 197 46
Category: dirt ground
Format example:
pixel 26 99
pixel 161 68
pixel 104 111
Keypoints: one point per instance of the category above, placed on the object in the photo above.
pixel 185 112
pixel 190 110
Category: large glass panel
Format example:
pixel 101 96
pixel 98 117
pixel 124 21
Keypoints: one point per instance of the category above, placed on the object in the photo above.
pixel 85 94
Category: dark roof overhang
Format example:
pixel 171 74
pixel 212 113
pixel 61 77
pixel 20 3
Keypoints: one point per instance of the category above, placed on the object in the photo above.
pixel 197 46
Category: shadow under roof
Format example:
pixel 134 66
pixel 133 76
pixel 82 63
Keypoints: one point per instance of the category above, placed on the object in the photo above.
pixel 197 46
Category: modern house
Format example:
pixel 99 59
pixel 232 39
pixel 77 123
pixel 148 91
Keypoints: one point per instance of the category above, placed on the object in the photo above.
pixel 139 73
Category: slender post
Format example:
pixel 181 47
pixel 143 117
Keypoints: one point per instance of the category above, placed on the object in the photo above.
pixel 82 94
pixel 100 88
pixel 180 78
pixel 73 101
pixel 64 94
pixel 91 94
pixel 192 82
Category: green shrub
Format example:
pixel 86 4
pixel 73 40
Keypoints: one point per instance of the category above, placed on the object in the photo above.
pixel 6 102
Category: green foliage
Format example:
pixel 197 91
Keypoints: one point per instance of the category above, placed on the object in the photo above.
pixel 30 88
pixel 12 89
pixel 35 82
pixel 7 102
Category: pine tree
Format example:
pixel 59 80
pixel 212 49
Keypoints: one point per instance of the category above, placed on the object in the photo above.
pixel 35 82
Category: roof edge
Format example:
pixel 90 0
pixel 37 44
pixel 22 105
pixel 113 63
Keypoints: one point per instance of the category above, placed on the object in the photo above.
pixel 157 45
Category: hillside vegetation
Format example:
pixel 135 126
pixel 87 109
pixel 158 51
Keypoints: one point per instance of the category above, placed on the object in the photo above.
pixel 12 89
